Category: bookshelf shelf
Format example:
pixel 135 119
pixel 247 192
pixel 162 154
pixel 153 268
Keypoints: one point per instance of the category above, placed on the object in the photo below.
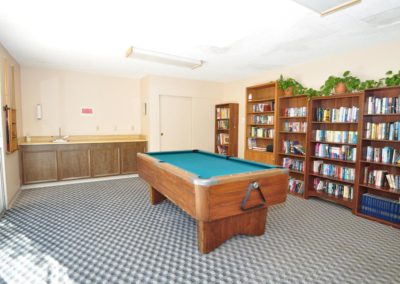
pixel 379 220
pixel 296 172
pixel 261 118
pixel 333 143
pixel 259 101
pixel 226 129
pixel 380 164
pixel 293 155
pixel 325 196
pixel 292 117
pixel 378 100
pixel 344 123
pixel 292 132
pixel 332 178
pixel 333 160
pixel 292 97
pixel 378 188
pixel 384 141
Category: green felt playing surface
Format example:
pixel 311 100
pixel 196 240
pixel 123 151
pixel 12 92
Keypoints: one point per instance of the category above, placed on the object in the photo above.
pixel 206 165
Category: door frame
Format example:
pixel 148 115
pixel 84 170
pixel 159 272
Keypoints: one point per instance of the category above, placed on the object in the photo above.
pixel 159 118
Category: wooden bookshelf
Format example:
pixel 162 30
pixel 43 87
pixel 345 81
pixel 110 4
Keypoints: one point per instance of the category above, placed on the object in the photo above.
pixel 226 129
pixel 365 187
pixel 333 102
pixel 292 113
pixel 261 128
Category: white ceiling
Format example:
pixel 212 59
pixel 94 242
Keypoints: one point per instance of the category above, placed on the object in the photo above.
pixel 236 38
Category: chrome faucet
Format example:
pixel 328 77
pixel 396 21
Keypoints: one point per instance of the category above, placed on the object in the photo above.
pixel 60 138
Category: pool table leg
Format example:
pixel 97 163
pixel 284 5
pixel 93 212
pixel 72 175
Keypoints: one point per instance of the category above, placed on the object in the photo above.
pixel 212 234
pixel 155 196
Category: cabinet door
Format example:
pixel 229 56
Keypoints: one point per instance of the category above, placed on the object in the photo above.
pixel 39 165
pixel 105 159
pixel 73 162
pixel 128 156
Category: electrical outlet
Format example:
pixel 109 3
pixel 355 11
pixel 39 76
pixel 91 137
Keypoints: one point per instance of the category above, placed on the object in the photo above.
pixel 132 127
pixel 97 127
pixel 115 127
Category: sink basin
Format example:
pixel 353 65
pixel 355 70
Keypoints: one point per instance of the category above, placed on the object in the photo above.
pixel 59 141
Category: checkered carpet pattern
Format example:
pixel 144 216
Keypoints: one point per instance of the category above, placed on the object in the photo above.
pixel 107 232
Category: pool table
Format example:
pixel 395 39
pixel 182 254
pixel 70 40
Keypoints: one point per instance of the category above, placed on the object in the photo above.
pixel 227 196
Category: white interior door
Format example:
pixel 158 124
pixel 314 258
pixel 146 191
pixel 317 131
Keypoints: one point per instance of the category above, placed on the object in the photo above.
pixel 175 123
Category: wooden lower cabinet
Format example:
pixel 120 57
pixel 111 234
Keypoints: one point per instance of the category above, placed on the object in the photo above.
pixel 128 156
pixel 39 164
pixel 45 163
pixel 261 157
pixel 105 160
pixel 73 162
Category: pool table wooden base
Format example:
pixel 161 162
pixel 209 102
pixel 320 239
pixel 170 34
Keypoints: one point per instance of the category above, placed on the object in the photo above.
pixel 216 203
pixel 211 234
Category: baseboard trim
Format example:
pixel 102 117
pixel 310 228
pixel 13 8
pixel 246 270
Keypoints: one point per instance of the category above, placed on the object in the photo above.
pixel 77 181
pixel 13 200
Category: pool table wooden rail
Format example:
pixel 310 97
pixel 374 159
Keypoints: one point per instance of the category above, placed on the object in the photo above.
pixel 215 203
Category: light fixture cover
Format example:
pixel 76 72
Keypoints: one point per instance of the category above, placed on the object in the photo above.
pixel 326 7
pixel 163 58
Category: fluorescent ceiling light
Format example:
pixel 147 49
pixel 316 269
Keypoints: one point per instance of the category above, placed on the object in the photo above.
pixel 163 58
pixel 326 7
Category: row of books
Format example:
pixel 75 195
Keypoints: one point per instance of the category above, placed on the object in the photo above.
pixel 296 185
pixel 261 107
pixel 263 119
pixel 386 105
pixel 292 126
pixel 262 132
pixel 222 139
pixel 222 149
pixel 293 164
pixel 383 131
pixel 387 155
pixel 252 145
pixel 292 147
pixel 344 153
pixel 342 114
pixel 223 124
pixel 295 111
pixel 222 113
pixel 333 188
pixel 380 207
pixel 381 178
pixel 334 136
pixel 335 171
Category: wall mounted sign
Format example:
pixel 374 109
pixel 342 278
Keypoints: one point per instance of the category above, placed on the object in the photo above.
pixel 87 111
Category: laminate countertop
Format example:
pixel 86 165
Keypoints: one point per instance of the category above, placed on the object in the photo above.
pixel 48 140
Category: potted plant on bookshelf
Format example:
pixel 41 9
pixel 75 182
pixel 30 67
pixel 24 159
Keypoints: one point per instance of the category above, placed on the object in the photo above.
pixel 340 85
pixel 289 86
pixel 310 92
pixel 392 79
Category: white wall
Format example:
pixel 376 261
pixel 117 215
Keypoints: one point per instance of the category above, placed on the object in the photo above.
pixel 11 161
pixel 204 97
pixel 368 63
pixel 116 103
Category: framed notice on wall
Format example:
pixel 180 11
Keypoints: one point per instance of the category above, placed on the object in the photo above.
pixel 87 111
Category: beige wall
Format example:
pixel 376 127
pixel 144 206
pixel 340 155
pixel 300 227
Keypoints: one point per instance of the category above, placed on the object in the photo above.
pixel 116 103
pixel 11 161
pixel 368 63
pixel 204 97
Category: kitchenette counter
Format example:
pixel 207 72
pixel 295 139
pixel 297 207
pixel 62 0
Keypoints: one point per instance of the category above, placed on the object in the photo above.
pixel 82 139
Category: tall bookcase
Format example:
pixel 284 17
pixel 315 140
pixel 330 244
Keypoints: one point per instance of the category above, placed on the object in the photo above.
pixel 333 145
pixel 226 129
pixel 292 140
pixel 261 118
pixel 380 108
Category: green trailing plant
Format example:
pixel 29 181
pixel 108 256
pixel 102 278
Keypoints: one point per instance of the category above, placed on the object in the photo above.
pixel 285 84
pixel 310 92
pixel 369 84
pixel 352 83
pixel 392 79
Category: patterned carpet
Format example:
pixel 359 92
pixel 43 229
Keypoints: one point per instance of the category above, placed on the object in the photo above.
pixel 107 232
